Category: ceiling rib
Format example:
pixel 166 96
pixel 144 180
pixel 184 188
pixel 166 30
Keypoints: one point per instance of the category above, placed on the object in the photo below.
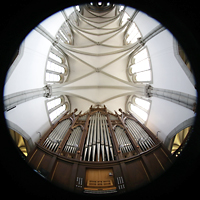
pixel 72 52
pixel 44 32
pixel 98 15
pixel 97 34
pixel 96 87
pixel 117 96
pixel 95 27
pixel 72 81
pixel 118 79
pixel 73 95
pixel 88 20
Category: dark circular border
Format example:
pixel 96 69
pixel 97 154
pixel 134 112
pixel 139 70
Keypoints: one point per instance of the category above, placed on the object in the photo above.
pixel 180 17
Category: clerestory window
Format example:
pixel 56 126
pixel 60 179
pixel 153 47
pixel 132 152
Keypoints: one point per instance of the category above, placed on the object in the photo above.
pixel 57 112
pixel 56 67
pixel 142 103
pixel 53 103
pixel 139 112
pixel 140 68
pixel 139 107
pixel 57 107
pixel 132 34
pixel 50 77
pixel 64 34
pixel 55 57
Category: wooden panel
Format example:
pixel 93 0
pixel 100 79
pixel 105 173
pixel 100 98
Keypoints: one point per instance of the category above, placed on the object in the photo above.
pixel 99 178
pixel 137 175
pixel 163 158
pixel 45 162
pixel 61 174
pixel 154 167
pixel 97 184
pixel 35 159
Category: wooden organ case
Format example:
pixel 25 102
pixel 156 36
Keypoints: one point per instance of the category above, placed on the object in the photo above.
pixel 99 152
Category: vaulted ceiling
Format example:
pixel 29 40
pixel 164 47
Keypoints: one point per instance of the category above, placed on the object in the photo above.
pixel 98 62
pixel 98 58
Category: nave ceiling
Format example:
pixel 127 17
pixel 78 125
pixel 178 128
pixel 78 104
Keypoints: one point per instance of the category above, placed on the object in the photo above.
pixel 98 58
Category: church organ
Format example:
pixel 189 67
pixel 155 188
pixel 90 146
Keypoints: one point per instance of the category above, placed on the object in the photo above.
pixel 99 152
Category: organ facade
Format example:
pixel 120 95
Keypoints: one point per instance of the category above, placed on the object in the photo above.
pixel 99 152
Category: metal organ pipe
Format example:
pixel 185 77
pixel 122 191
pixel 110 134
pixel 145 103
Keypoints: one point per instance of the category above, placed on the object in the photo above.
pixel 87 140
pixel 109 140
pixel 56 136
pixel 102 139
pixel 142 138
pixel 94 138
pixel 98 137
pixel 106 141
pixel 90 141
pixel 98 140
pixel 123 141
pixel 73 141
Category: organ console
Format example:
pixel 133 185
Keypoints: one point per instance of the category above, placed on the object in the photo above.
pixel 99 152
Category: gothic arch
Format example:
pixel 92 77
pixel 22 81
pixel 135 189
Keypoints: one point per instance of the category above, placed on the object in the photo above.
pixel 19 130
pixel 181 126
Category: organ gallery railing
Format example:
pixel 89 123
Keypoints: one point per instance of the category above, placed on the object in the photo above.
pixel 98 136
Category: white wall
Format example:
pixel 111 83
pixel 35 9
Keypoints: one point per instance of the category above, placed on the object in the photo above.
pixel 145 23
pixel 29 73
pixel 53 23
pixel 165 116
pixel 31 117
pixel 167 72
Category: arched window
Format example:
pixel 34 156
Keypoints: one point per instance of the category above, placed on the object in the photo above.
pixel 65 34
pixel 140 62
pixel 53 103
pixel 125 18
pixel 20 142
pixel 142 103
pixel 139 108
pixel 56 107
pixel 63 37
pixel 55 57
pixel 140 68
pixel 50 77
pixel 57 112
pixel 141 113
pixel 133 34
pixel 55 67
pixel 178 141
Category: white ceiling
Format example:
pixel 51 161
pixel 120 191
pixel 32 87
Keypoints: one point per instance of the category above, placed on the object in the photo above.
pixel 108 85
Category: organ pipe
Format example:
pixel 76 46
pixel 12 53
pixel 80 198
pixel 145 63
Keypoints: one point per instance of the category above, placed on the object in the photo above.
pixel 97 142
pixel 100 141
pixel 73 141
pixel 141 137
pixel 56 136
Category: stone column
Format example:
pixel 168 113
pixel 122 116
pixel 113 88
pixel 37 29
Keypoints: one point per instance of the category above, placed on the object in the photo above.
pixel 180 98
pixel 12 100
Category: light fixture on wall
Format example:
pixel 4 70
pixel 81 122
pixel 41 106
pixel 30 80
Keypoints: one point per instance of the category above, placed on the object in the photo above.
pixel 157 134
pixel 40 135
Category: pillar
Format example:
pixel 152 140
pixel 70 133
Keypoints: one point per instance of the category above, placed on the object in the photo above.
pixel 180 98
pixel 12 100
